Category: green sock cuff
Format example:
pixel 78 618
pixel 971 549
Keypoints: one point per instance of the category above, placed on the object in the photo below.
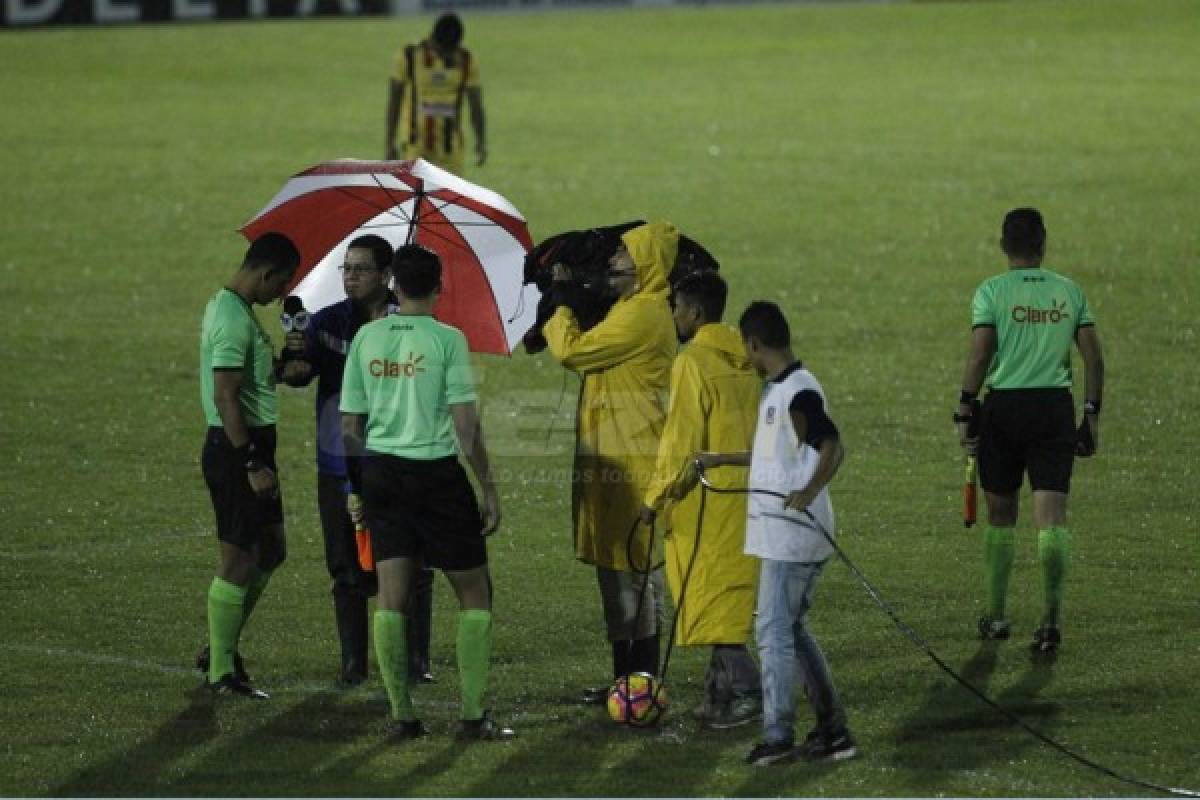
pixel 227 592
pixel 1054 536
pixel 475 616
pixel 1000 536
pixel 389 618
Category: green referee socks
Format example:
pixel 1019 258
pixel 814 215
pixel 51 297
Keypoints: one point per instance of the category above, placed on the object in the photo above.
pixel 254 589
pixel 998 549
pixel 473 649
pixel 391 649
pixel 1054 546
pixel 226 604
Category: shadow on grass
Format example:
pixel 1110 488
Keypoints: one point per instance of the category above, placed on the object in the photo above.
pixel 296 752
pixel 592 756
pixel 145 766
pixel 954 732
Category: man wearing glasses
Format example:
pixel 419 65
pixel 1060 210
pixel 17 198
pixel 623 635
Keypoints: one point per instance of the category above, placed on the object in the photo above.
pixel 366 273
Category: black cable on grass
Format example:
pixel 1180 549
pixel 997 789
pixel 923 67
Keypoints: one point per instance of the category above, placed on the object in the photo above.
pixel 916 639
pixel 661 680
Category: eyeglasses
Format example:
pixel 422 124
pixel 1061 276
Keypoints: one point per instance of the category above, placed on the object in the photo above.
pixel 356 269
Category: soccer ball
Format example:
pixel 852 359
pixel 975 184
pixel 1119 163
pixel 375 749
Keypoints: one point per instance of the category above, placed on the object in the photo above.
pixel 637 699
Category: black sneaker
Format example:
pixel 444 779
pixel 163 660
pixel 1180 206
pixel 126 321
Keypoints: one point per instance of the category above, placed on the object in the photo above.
pixel 825 747
pixel 239 667
pixel 1046 640
pixel 401 730
pixel 993 628
pixel 484 729
pixel 595 695
pixel 764 754
pixel 231 684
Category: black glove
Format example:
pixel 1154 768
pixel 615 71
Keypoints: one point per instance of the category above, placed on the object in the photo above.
pixel 1085 443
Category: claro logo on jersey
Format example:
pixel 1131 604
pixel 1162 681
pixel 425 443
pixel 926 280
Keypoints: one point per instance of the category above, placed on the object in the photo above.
pixel 386 368
pixel 1057 313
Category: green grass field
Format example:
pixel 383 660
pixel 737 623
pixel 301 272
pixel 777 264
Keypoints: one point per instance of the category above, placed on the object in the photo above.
pixel 852 162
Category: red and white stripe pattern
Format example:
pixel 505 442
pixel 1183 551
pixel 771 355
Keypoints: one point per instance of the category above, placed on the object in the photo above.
pixel 481 237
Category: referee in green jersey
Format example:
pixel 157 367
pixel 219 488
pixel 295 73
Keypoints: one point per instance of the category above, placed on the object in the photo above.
pixel 407 397
pixel 237 391
pixel 1023 324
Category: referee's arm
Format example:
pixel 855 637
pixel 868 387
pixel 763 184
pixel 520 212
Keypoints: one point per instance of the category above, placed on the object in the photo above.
pixel 983 348
pixel 1088 342
pixel 227 384
pixel 470 438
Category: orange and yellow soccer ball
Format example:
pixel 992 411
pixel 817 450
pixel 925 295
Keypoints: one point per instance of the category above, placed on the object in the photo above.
pixel 637 700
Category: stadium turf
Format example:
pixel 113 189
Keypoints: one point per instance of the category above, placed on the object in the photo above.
pixel 850 161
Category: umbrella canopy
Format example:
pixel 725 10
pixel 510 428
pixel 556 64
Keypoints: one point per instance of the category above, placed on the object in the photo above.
pixel 481 238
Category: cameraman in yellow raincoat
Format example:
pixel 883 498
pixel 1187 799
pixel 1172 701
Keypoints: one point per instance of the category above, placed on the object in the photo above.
pixel 714 406
pixel 625 362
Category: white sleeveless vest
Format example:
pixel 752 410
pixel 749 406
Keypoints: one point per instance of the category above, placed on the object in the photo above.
pixel 780 464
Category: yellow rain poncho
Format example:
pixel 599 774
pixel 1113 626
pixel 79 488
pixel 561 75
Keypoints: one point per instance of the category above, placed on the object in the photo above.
pixel 625 362
pixel 714 406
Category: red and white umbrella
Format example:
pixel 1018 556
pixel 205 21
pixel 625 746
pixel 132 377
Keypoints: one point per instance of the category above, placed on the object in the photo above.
pixel 481 237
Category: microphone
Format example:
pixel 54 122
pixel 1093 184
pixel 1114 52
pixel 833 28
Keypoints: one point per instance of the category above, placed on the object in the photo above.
pixel 295 320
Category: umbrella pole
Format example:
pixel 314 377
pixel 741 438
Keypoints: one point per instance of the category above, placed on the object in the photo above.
pixel 416 215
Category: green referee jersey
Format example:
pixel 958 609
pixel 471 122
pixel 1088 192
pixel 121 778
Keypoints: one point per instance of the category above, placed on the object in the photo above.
pixel 404 372
pixel 1036 313
pixel 231 338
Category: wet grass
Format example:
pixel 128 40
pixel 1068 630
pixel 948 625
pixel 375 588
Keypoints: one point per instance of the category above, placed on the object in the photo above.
pixel 852 162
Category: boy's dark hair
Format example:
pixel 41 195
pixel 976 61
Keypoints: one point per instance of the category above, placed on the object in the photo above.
pixel 381 251
pixel 764 322
pixel 417 271
pixel 706 289
pixel 1023 234
pixel 448 31
pixel 272 251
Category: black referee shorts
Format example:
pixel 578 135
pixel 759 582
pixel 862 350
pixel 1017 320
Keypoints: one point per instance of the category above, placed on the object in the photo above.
pixel 422 509
pixel 1027 430
pixel 241 514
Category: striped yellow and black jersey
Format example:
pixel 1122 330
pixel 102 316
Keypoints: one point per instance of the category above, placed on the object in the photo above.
pixel 431 113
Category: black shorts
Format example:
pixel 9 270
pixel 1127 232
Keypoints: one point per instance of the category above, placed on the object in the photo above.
pixel 422 509
pixel 1027 430
pixel 241 515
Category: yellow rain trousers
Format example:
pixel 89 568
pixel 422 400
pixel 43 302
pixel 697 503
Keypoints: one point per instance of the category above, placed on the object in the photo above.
pixel 714 406
pixel 625 362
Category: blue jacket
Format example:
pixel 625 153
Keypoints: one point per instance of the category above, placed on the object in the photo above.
pixel 326 342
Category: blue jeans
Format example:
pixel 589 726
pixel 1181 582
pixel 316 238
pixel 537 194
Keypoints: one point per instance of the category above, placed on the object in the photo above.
pixel 785 647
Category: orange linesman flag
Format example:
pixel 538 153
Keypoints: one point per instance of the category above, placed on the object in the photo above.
pixel 366 558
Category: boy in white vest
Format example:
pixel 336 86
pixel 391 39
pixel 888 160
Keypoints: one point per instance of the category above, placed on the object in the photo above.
pixel 797 451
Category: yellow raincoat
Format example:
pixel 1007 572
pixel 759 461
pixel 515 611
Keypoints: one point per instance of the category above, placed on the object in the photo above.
pixel 625 362
pixel 714 406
